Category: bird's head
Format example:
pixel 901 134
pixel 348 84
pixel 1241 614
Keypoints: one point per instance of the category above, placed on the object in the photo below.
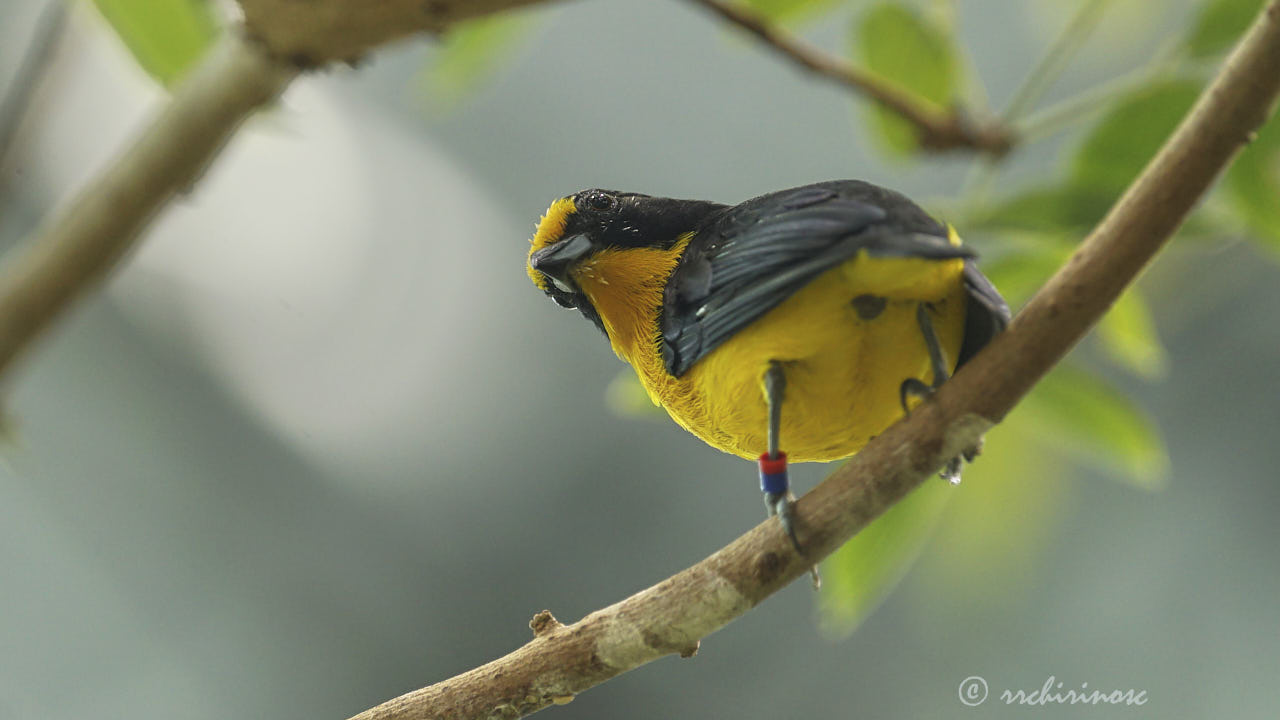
pixel 600 243
pixel 573 230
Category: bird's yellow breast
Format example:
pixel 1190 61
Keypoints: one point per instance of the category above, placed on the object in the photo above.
pixel 844 352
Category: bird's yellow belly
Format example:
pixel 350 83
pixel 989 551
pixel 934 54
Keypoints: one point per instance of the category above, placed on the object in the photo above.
pixel 844 361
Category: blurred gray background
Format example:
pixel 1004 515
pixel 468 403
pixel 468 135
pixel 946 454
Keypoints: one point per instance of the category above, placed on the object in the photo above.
pixel 320 442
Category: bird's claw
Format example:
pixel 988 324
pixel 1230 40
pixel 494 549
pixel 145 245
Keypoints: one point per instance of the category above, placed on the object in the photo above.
pixel 783 506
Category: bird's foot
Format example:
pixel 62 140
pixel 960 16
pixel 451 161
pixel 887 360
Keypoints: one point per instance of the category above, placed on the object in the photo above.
pixel 914 387
pixel 779 501
pixel 783 505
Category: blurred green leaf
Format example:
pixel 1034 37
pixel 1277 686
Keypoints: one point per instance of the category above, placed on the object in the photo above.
pixel 1071 208
pixel 1220 24
pixel 166 37
pixel 1129 135
pixel 1018 274
pixel 903 47
pixel 470 53
pixel 1076 412
pixel 861 573
pixel 1253 185
pixel 626 397
pixel 990 541
pixel 1108 159
pixel 788 10
pixel 1128 335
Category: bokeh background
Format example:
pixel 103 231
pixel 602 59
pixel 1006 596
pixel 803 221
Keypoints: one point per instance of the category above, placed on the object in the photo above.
pixel 320 443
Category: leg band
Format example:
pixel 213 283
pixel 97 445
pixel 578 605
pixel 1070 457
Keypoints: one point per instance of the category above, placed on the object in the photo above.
pixel 773 474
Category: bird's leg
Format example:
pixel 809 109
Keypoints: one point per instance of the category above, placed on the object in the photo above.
pixel 914 386
pixel 774 483
pixel 778 499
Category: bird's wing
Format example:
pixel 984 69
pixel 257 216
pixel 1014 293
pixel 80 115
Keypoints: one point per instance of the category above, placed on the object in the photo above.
pixel 986 314
pixel 750 258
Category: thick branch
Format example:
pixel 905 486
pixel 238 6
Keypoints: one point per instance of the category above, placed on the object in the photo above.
pixel 672 616
pixel 74 251
pixel 313 32
pixel 936 130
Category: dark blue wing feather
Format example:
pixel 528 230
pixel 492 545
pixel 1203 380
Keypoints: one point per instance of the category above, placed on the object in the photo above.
pixel 987 313
pixel 750 258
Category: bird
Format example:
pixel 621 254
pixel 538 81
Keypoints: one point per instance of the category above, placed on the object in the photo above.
pixel 794 326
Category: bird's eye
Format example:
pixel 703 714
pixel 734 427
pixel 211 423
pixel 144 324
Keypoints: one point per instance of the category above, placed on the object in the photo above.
pixel 600 201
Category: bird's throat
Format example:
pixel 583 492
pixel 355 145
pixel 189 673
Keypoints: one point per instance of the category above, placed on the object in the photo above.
pixel 626 289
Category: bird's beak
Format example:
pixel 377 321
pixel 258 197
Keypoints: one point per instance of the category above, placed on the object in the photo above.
pixel 556 260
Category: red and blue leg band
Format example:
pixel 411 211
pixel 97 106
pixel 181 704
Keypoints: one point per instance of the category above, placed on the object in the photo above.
pixel 773 474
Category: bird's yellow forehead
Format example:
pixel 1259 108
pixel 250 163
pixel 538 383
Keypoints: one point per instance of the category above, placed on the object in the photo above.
pixel 550 230
pixel 551 227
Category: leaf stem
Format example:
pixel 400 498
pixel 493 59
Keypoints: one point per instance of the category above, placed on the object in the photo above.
pixel 1061 115
pixel 48 29
pixel 1056 59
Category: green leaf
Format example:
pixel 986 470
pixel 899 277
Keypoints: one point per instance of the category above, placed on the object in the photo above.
pixel 1128 335
pixel 1020 273
pixel 789 10
pixel 990 542
pixel 166 37
pixel 1129 135
pixel 626 397
pixel 1220 24
pixel 1071 208
pixel 862 573
pixel 1078 413
pixel 913 53
pixel 470 53
pixel 1253 185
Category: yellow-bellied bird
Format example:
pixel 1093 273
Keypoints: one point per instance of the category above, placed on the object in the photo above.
pixel 807 319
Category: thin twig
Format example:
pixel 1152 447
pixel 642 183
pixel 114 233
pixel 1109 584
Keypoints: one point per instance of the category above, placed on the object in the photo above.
pixel 672 616
pixel 936 130
pixel 53 18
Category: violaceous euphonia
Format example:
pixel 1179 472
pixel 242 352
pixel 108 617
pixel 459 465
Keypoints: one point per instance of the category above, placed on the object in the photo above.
pixel 807 319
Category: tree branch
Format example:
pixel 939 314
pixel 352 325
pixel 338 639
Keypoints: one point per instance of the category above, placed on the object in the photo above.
pixel 672 616
pixel 936 130
pixel 249 69
pixel 75 250
pixel 313 32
